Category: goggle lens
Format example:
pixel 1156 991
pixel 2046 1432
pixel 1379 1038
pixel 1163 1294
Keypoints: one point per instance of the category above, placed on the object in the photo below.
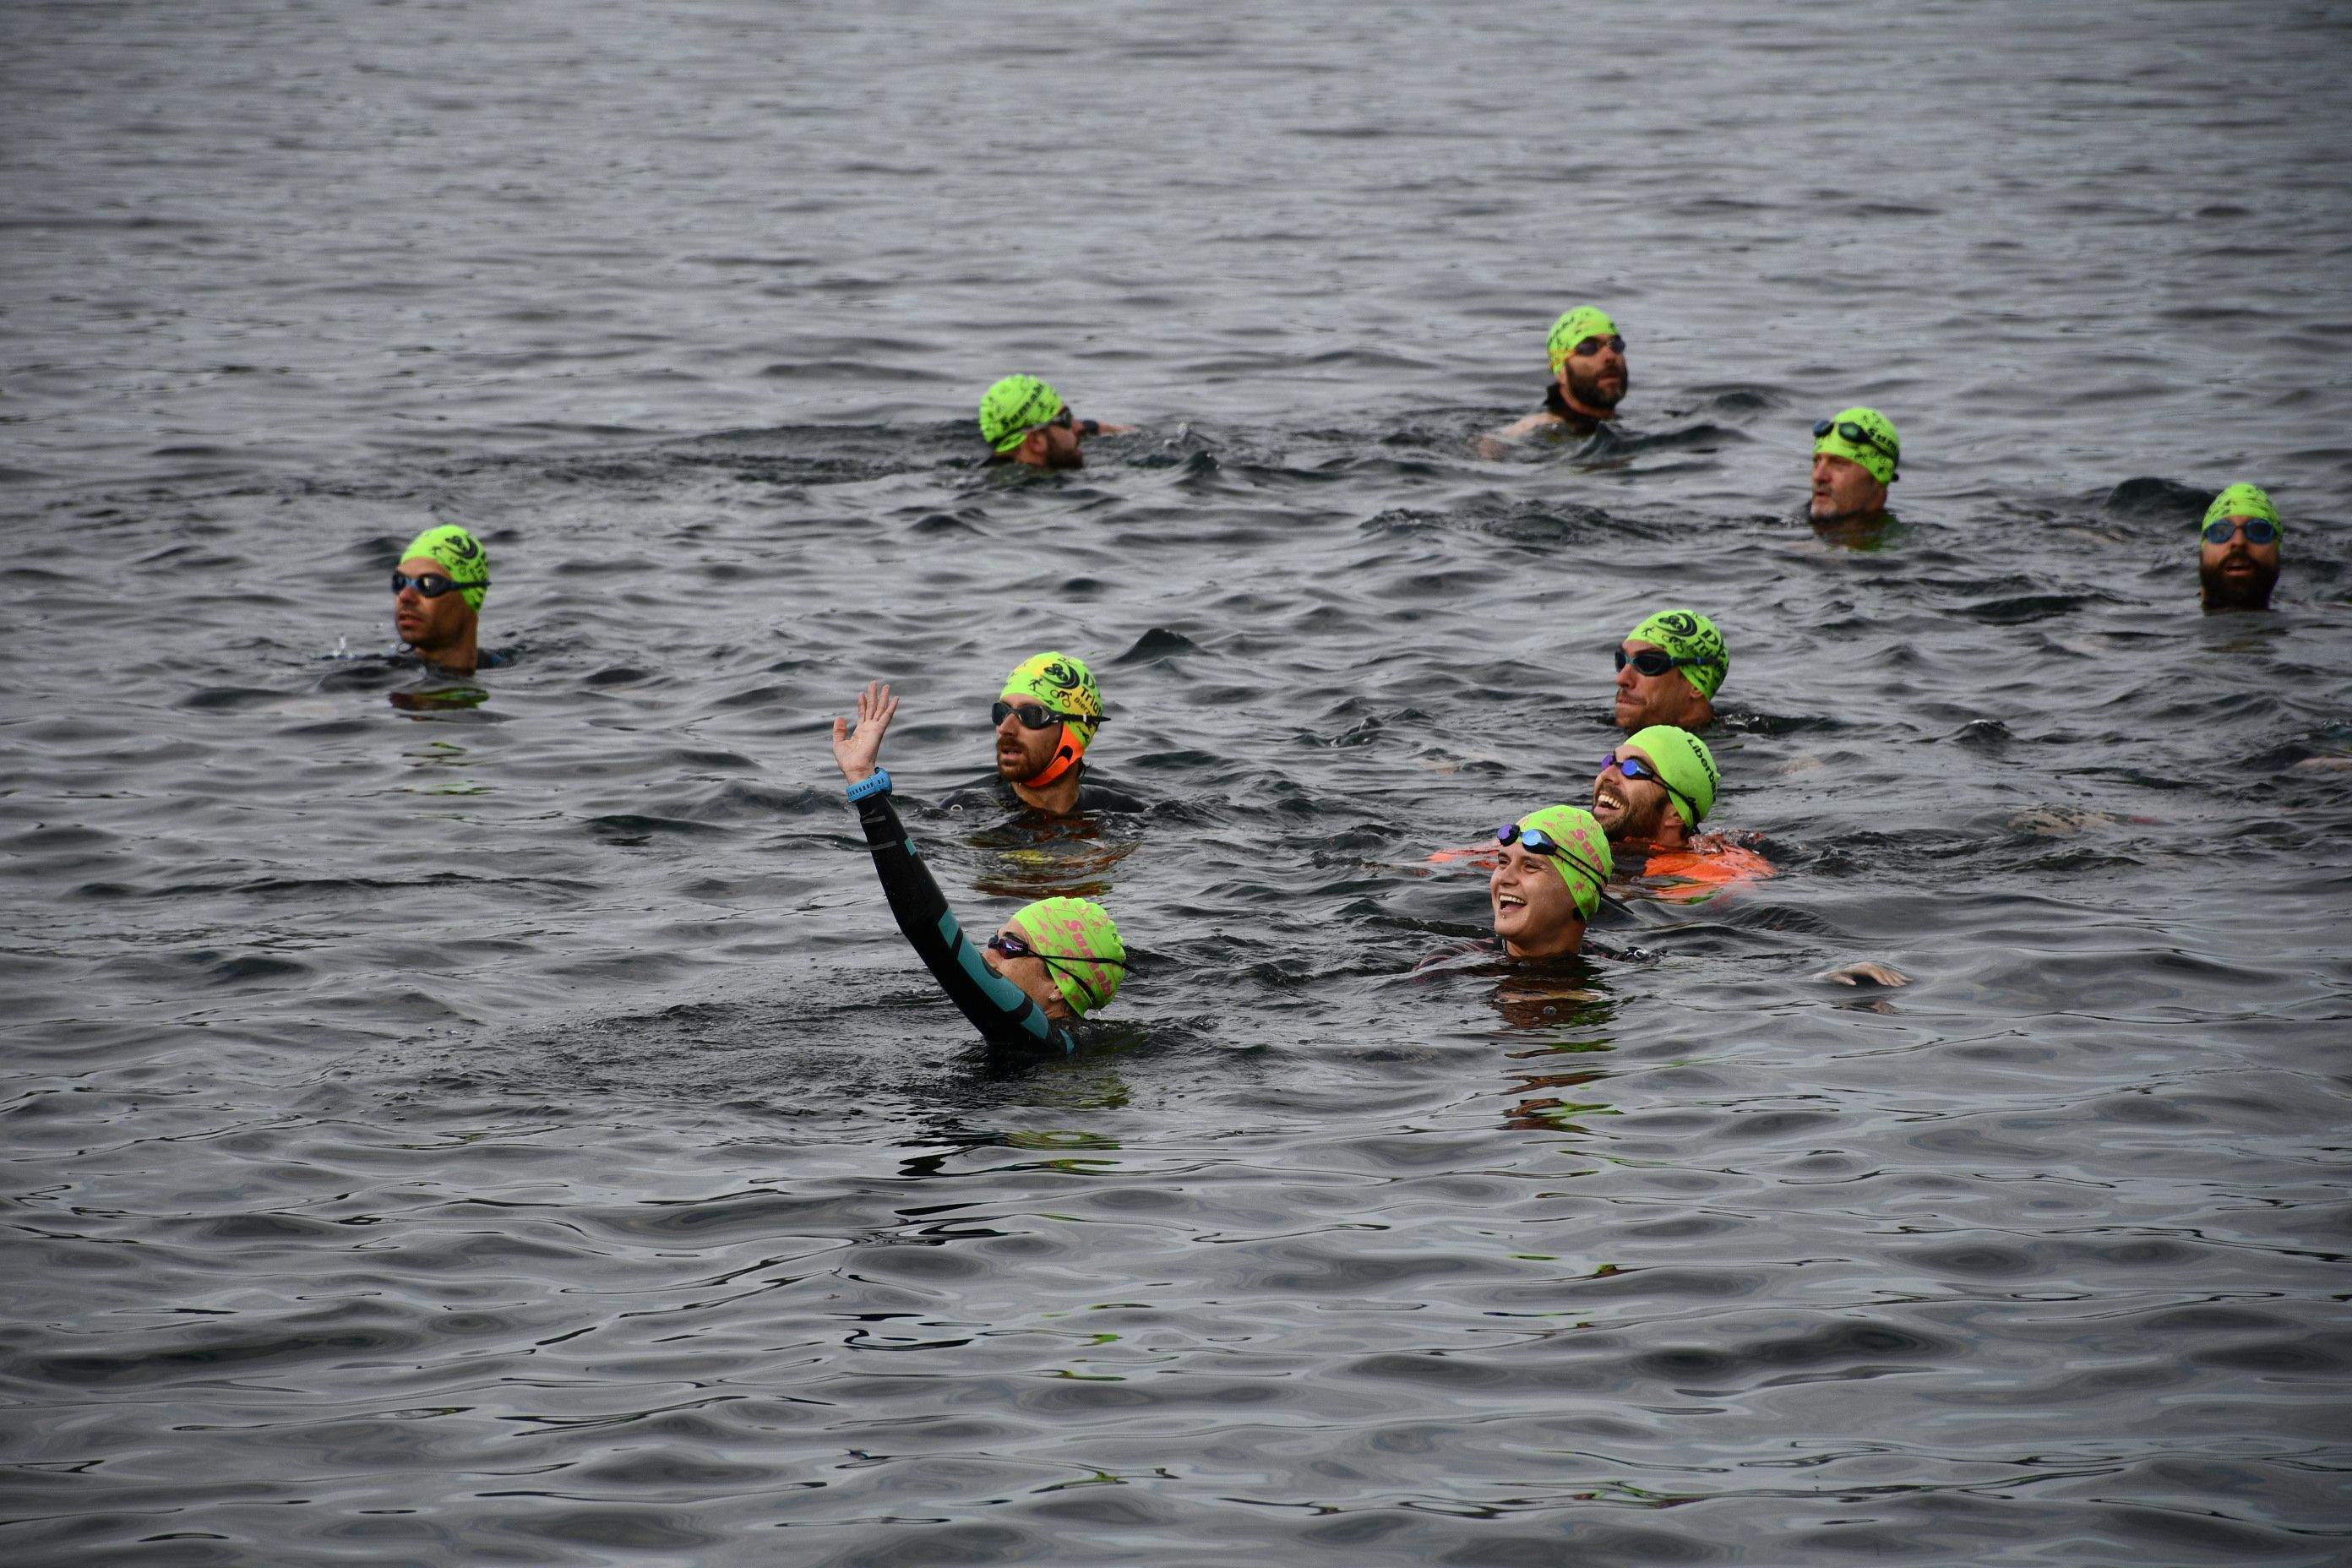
pixel 1651 661
pixel 432 584
pixel 2259 530
pixel 1032 715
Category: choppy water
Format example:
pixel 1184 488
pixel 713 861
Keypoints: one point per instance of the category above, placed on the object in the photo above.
pixel 516 1132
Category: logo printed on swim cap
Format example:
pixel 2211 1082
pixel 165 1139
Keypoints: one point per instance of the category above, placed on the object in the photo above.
pixel 1686 634
pixel 1012 407
pixel 1684 765
pixel 1589 864
pixel 1080 946
pixel 458 553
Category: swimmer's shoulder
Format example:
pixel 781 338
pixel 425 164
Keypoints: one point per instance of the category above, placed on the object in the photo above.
pixel 1099 794
pixel 1520 429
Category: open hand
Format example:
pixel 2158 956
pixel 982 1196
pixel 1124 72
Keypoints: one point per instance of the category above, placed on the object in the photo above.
pixel 857 749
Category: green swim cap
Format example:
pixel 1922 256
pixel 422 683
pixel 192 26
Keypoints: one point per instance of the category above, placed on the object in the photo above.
pixel 1686 634
pixel 1685 766
pixel 2242 501
pixel 1573 829
pixel 1014 408
pixel 461 556
pixel 1079 942
pixel 1063 682
pixel 1584 321
pixel 1880 464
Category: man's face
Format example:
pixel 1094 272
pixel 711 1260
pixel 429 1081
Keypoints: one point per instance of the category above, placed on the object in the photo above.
pixel 2235 574
pixel 1630 809
pixel 1594 374
pixel 1534 910
pixel 1844 490
pixel 1055 445
pixel 1023 752
pixel 1646 699
pixel 429 623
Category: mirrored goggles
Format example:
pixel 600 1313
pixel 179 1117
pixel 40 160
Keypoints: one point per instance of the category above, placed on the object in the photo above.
pixel 1032 715
pixel 432 584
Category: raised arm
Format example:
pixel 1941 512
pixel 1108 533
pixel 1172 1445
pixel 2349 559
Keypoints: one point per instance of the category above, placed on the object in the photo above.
pixel 1000 1010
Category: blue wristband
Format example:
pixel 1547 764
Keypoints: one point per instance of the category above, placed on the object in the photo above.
pixel 875 782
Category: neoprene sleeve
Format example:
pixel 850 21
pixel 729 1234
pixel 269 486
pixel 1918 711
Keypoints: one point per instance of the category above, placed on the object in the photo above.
pixel 1000 1010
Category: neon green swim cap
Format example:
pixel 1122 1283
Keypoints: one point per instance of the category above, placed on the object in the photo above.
pixel 1014 408
pixel 1584 321
pixel 1880 459
pixel 2242 501
pixel 1586 865
pixel 460 554
pixel 1685 766
pixel 1686 634
pixel 1063 682
pixel 1079 943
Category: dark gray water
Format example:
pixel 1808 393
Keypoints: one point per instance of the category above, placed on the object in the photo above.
pixel 515 1133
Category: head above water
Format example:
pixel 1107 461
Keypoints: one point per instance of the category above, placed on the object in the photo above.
pixel 1547 881
pixel 457 555
pixel 1078 944
pixel 1062 685
pixel 1589 371
pixel 1856 452
pixel 1024 420
pixel 1683 693
pixel 2238 550
pixel 1686 767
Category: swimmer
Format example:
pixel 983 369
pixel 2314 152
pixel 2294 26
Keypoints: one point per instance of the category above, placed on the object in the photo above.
pixel 1547 881
pixel 1588 377
pixel 1046 719
pixel 1668 670
pixel 1053 963
pixel 1855 452
pixel 1024 421
pixel 2238 553
pixel 436 599
pixel 1652 793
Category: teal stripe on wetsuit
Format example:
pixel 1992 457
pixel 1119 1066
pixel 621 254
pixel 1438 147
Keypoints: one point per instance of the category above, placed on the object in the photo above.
pixel 1000 1010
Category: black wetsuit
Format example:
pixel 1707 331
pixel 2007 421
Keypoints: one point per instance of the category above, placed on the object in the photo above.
pixel 1095 793
pixel 1003 1013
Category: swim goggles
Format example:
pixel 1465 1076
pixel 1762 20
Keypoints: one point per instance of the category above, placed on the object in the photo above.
pixel 1594 346
pixel 1536 841
pixel 2259 530
pixel 432 584
pixel 1655 660
pixel 1035 715
pixel 1851 431
pixel 1063 419
pixel 1636 769
pixel 1010 944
